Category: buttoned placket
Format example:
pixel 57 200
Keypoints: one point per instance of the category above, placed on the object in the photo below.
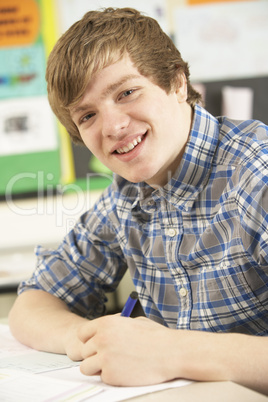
pixel 172 232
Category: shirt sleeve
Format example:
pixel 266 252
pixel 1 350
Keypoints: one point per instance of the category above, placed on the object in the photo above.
pixel 87 264
pixel 253 206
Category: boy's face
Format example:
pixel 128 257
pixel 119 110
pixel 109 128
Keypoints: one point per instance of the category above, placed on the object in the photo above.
pixel 132 125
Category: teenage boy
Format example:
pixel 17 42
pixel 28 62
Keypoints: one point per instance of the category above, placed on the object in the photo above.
pixel 186 215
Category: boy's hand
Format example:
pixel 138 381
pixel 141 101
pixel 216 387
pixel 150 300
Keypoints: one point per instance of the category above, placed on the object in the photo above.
pixel 125 351
pixel 72 343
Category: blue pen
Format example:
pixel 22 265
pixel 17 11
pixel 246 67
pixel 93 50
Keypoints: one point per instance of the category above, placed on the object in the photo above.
pixel 130 303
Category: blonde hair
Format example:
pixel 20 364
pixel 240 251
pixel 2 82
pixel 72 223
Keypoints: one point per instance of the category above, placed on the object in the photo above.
pixel 101 38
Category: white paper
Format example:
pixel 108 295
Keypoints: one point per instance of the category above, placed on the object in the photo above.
pixel 223 40
pixel 26 125
pixel 9 346
pixel 71 11
pixel 17 387
pixel 237 102
pixel 14 355
pixel 111 393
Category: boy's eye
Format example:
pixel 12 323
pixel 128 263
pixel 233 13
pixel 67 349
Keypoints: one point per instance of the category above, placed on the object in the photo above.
pixel 127 93
pixel 87 117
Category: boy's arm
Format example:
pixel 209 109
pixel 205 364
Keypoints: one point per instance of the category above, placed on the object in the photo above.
pixel 44 322
pixel 239 358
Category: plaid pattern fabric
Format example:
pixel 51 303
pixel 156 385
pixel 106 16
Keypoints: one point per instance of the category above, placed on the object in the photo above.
pixel 197 249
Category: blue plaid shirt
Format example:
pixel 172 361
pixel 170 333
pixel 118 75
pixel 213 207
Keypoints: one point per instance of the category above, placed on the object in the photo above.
pixel 197 249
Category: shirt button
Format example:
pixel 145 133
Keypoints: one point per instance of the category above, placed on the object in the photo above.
pixel 151 202
pixel 172 232
pixel 183 292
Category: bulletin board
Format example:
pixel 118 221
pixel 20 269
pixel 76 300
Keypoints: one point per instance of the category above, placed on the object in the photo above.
pixel 29 135
pixel 36 154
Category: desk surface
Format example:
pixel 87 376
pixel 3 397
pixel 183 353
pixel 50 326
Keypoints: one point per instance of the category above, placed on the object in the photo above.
pixel 205 392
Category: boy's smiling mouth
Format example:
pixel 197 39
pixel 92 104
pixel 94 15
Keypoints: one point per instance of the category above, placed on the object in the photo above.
pixel 130 146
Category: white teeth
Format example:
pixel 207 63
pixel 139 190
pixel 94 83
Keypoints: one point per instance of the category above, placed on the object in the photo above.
pixel 129 146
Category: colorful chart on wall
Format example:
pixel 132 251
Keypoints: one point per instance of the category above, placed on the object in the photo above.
pixel 35 150
pixel 29 138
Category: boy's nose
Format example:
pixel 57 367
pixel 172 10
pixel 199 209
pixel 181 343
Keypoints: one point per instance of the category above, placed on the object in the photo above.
pixel 114 123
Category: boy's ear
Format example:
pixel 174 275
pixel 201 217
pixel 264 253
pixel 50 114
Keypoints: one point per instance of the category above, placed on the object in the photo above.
pixel 181 88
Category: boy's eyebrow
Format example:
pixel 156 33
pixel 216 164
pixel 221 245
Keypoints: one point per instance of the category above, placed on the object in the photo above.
pixel 107 91
pixel 117 84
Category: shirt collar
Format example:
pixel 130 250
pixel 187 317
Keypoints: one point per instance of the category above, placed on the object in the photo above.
pixel 193 171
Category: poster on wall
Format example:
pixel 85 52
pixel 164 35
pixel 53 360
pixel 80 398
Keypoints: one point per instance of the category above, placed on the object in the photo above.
pixel 26 125
pixel 29 140
pixel 225 40
pixel 24 109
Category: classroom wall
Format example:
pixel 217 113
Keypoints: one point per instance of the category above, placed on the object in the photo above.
pixel 42 183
